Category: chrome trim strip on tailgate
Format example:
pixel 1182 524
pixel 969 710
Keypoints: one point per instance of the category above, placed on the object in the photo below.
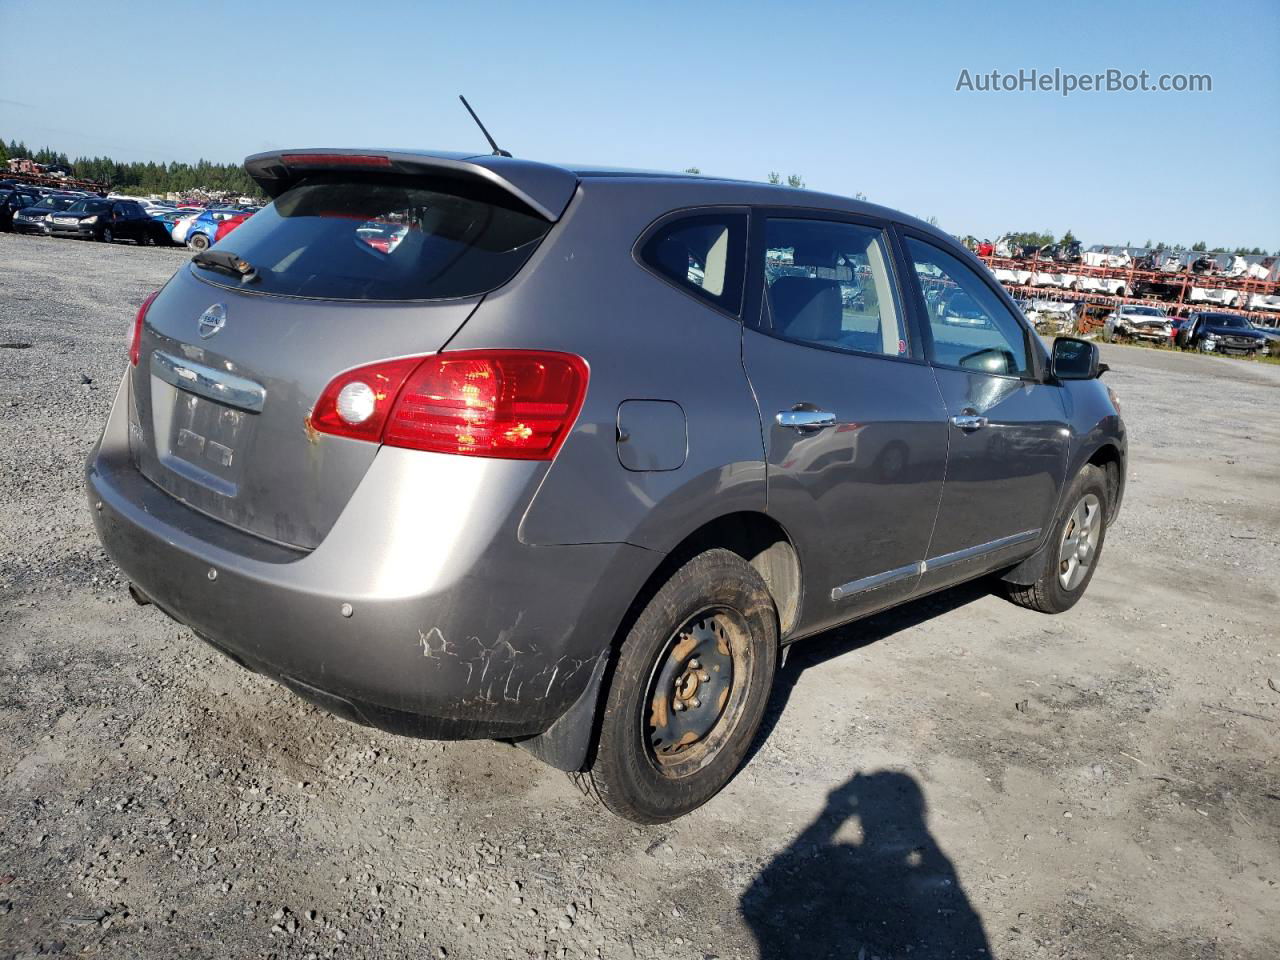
pixel 210 383
pixel 971 553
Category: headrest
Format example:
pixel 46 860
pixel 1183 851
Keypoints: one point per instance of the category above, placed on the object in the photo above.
pixel 806 308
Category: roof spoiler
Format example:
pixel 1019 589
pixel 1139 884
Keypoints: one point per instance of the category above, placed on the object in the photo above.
pixel 545 189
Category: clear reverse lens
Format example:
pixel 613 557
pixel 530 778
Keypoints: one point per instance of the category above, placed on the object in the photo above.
pixel 356 402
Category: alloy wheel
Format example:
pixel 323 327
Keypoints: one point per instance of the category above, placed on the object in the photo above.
pixel 1079 541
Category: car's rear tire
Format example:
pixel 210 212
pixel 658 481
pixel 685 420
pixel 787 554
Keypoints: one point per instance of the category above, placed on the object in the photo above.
pixel 198 242
pixel 1075 546
pixel 688 691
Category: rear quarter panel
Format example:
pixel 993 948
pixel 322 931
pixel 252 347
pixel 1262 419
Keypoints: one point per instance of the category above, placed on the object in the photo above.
pixel 584 293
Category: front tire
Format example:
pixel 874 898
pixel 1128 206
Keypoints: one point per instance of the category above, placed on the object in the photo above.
pixel 1075 547
pixel 107 236
pixel 688 691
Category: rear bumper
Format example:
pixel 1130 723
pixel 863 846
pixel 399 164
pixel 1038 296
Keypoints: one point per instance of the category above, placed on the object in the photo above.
pixel 392 620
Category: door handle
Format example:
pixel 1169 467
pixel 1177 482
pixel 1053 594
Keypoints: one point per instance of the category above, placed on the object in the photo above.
pixel 969 421
pixel 805 419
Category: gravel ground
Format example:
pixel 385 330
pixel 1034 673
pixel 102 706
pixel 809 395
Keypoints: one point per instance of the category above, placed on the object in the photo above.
pixel 955 777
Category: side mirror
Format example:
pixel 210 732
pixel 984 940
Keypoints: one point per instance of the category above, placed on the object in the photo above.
pixel 1075 359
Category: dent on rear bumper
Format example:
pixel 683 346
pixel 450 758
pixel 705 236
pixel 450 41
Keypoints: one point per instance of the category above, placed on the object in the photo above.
pixel 421 601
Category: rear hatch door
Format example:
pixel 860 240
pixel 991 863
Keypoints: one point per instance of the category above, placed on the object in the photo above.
pixel 343 269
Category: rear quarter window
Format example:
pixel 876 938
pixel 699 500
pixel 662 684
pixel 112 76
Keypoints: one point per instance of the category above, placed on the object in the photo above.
pixel 383 238
pixel 703 254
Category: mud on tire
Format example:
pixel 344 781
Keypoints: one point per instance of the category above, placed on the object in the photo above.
pixel 688 691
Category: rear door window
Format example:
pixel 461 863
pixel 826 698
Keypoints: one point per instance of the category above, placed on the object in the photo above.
pixel 830 285
pixel 385 238
pixel 703 254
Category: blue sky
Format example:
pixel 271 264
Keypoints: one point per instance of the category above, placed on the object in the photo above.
pixel 853 96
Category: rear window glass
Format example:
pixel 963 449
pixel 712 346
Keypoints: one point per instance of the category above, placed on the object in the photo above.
pixel 383 239
pixel 89 206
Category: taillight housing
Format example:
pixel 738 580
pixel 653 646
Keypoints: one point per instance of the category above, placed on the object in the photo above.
pixel 508 404
pixel 135 342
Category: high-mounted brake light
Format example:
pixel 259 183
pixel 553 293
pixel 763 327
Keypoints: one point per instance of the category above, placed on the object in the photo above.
pixel 335 160
pixel 135 342
pixel 509 404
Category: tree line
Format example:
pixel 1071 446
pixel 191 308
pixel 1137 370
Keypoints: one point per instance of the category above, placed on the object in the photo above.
pixel 139 177
pixel 150 177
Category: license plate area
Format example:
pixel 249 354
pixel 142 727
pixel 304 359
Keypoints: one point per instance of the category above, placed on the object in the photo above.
pixel 206 441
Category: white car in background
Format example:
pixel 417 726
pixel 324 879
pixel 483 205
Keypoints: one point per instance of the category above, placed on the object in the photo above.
pixel 1111 286
pixel 1133 320
pixel 182 227
pixel 1016 278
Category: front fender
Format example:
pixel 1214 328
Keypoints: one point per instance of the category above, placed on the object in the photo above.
pixel 1097 433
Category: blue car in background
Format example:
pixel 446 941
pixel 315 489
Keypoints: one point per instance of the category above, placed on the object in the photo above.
pixel 168 218
pixel 200 235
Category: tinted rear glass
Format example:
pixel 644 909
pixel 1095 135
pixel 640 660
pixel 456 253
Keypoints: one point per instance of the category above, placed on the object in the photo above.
pixel 383 239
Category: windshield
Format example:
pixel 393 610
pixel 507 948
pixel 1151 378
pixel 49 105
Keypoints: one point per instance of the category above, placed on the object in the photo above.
pixel 54 203
pixel 343 238
pixel 1226 320
pixel 88 206
pixel 1143 311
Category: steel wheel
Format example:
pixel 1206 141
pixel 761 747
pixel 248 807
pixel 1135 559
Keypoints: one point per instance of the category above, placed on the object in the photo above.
pixel 694 699
pixel 687 691
pixel 1080 539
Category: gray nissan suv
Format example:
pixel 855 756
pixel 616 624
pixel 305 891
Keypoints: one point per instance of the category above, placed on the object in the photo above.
pixel 475 447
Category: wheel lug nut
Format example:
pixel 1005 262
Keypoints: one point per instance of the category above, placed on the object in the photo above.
pixel 695 702
pixel 703 676
pixel 678 705
pixel 694 664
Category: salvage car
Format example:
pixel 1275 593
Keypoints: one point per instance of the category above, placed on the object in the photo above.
pixel 1211 332
pixel 11 201
pixel 230 223
pixel 35 218
pixel 1137 322
pixel 201 233
pixel 572 463
pixel 96 218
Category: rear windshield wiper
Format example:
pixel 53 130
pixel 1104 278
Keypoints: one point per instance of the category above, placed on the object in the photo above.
pixel 226 262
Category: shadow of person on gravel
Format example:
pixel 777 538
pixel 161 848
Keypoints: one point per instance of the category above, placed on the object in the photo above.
pixel 890 894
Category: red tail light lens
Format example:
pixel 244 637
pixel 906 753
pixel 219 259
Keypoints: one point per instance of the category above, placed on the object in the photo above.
pixel 509 404
pixel 135 342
